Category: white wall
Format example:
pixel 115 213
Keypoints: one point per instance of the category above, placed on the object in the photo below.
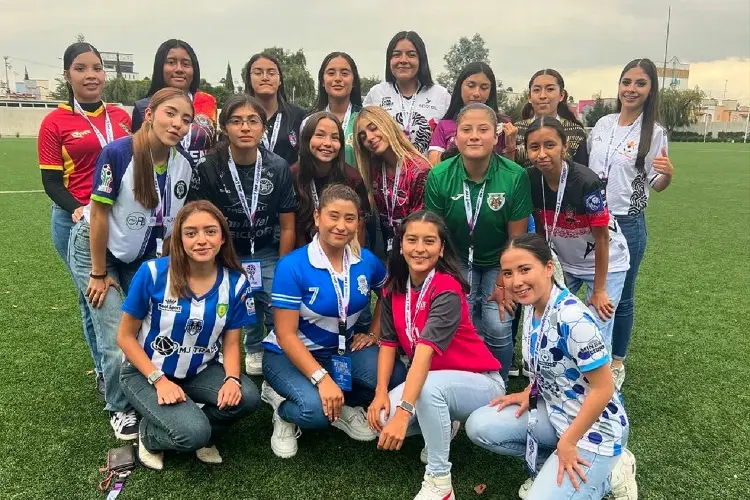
pixel 26 121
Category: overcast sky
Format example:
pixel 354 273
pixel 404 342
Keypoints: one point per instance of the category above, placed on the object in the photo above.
pixel 588 41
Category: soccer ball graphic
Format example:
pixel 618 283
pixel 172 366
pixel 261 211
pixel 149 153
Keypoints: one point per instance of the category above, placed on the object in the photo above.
pixel 164 345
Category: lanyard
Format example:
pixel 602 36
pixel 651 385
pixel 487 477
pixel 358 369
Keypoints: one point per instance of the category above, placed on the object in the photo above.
pixel 410 320
pixel 274 134
pixel 472 218
pixel 554 297
pixel 560 191
pixel 406 116
pixel 347 117
pixel 162 199
pixel 253 207
pixel 607 162
pixel 342 297
pixel 390 206
pixel 107 124
pixel 189 136
pixel 314 192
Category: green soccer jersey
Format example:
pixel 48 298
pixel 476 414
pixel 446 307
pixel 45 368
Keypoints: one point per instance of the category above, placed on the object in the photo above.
pixel 506 198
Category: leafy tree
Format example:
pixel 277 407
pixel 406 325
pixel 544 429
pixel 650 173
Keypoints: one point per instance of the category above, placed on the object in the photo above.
pixel 515 107
pixel 228 81
pixel 119 90
pixel 368 82
pixel 80 38
pixel 298 83
pixel 61 90
pixel 219 92
pixel 599 110
pixel 460 54
pixel 678 107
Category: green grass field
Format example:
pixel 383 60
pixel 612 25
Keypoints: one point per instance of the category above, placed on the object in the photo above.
pixel 688 371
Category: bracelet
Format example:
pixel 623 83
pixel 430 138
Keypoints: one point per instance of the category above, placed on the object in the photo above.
pixel 236 380
pixel 97 276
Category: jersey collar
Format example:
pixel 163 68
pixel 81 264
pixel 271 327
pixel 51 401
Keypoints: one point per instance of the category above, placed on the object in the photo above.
pixel 315 255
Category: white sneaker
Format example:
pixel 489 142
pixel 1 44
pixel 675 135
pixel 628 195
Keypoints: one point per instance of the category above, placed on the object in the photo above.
pixel 624 486
pixel 209 455
pixel 454 430
pixel 125 424
pixel 523 491
pixel 353 421
pixel 150 460
pixel 436 488
pixel 284 437
pixel 618 373
pixel 270 396
pixel 254 363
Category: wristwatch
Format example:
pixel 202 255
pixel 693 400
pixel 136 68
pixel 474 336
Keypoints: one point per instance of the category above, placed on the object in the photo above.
pixel 155 376
pixel 318 376
pixel 407 407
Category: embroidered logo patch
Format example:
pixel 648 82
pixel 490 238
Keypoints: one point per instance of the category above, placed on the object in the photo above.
pixel 105 179
pixel 495 201
pixel 362 286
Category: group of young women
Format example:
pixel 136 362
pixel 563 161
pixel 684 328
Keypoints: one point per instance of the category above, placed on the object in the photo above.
pixel 287 225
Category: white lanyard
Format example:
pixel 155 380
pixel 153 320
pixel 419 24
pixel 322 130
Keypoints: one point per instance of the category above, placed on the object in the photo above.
pixel 274 134
pixel 347 117
pixel 410 333
pixel 342 298
pixel 314 192
pixel 471 219
pixel 253 207
pixel 406 116
pixel 189 136
pixel 607 163
pixel 553 299
pixel 560 191
pixel 390 206
pixel 107 124
pixel 159 211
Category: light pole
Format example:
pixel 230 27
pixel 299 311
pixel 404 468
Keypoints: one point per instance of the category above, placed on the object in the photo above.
pixel 705 128
pixel 747 123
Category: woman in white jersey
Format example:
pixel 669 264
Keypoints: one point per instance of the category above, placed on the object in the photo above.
pixel 628 151
pixel 140 183
pixel 408 92
pixel 180 311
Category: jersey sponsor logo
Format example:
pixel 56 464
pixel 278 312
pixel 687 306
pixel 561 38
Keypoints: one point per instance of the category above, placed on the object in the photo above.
pixel 135 221
pixel 594 202
pixel 105 179
pixel 293 138
pixel 79 134
pixel 250 305
pixel 180 190
pixel 457 197
pixel 124 127
pixel 266 187
pixel 386 102
pixel 170 305
pixel 194 326
pixel 495 201
pixel 166 347
pixel 221 310
pixel 362 285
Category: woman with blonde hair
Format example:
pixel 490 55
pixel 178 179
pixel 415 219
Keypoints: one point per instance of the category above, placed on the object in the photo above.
pixel 394 170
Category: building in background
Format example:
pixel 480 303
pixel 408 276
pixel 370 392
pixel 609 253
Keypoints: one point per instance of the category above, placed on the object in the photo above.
pixel 32 89
pixel 723 111
pixel 582 108
pixel 124 60
pixel 674 74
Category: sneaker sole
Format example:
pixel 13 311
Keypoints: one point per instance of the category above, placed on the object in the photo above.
pixel 283 453
pixel 126 437
pixel 254 372
pixel 357 437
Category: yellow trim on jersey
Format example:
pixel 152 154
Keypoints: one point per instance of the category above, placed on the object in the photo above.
pixel 51 167
pixel 102 199
pixel 68 166
pixel 96 113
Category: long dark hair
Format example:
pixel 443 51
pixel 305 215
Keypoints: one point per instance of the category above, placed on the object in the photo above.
pixel 306 207
pixel 230 106
pixel 398 269
pixel 355 98
pixel 651 113
pixel 562 107
pixel 536 245
pixel 157 77
pixel 280 92
pixel 423 74
pixel 457 101
pixel 69 56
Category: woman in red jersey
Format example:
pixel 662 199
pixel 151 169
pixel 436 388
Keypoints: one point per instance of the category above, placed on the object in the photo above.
pixel 70 140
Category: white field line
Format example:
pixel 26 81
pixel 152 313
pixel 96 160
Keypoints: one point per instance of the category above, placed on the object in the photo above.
pixel 23 192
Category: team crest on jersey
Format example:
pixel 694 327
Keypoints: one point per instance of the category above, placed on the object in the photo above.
pixel 495 201
pixel 135 221
pixel 250 305
pixel 79 134
pixel 105 179
pixel 266 187
pixel 194 326
pixel 594 202
pixel 221 310
pixel 170 305
pixel 362 286
pixel 293 139
pixel 180 190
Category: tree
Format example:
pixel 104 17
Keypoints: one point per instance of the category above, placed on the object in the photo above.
pixel 80 38
pixel 219 92
pixel 118 90
pixel 298 83
pixel 599 110
pixel 228 81
pixel 515 107
pixel 368 82
pixel 460 54
pixel 61 90
pixel 677 107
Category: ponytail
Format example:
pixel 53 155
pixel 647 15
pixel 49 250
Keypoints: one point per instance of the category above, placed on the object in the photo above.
pixel 144 191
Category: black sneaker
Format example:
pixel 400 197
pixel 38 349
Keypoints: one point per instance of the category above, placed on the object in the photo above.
pixel 526 370
pixel 125 424
pixel 513 371
pixel 100 385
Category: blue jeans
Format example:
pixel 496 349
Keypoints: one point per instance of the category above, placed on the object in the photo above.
pixel 501 432
pixel 497 334
pixel 302 406
pixel 446 395
pixel 106 320
pixel 614 284
pixel 634 229
pixel 255 334
pixel 62 223
pixel 184 426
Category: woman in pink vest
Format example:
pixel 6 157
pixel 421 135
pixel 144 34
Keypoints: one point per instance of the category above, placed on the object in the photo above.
pixel 451 371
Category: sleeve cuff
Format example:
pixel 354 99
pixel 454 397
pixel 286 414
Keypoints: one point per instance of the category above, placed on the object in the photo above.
pixel 594 364
pixel 51 167
pixel 136 314
pixel 389 343
pixel 431 344
pixel 101 199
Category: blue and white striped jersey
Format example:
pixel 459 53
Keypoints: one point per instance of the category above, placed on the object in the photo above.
pixel 181 335
pixel 301 282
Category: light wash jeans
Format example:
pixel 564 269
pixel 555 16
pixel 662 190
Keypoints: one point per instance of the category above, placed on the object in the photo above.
pixel 254 334
pixel 633 227
pixel 62 223
pixel 184 426
pixel 106 320
pixel 497 334
pixel 614 284
pixel 501 432
pixel 446 396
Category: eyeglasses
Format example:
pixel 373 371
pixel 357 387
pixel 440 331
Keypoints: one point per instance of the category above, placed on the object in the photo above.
pixel 252 121
pixel 269 72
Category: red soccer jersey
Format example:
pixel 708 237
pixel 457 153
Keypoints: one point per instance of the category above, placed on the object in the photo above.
pixel 67 143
